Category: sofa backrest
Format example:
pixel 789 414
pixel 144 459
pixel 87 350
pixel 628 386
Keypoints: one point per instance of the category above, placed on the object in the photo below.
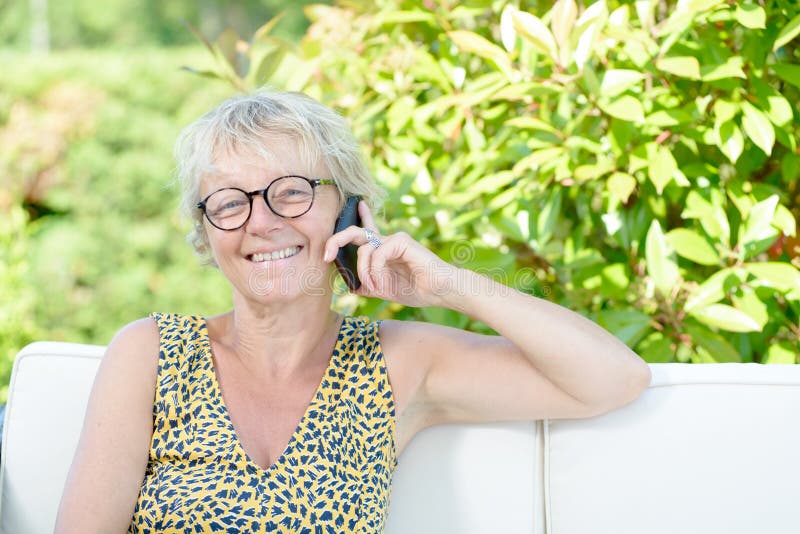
pixel 708 448
pixel 47 396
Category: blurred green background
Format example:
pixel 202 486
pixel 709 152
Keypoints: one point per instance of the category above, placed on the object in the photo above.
pixel 634 161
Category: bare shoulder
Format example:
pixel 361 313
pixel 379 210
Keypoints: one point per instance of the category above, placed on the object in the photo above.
pixel 134 348
pixel 130 364
pixel 142 333
pixel 111 457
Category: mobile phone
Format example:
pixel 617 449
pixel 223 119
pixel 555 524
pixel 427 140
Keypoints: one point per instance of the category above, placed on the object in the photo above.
pixel 347 257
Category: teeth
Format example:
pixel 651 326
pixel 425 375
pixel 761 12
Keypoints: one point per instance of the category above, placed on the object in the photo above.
pixel 276 255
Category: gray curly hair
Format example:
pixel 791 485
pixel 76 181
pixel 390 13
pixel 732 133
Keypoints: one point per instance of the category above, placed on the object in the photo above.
pixel 244 125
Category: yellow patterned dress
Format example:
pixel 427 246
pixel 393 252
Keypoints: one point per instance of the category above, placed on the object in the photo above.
pixel 333 477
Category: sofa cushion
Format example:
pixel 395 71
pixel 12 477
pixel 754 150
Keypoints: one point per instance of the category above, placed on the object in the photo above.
pixel 469 479
pixel 707 448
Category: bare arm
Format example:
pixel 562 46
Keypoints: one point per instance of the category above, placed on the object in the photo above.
pixel 548 361
pixel 107 471
pixel 572 367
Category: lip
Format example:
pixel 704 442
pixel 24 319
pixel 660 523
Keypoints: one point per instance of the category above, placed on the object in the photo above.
pixel 250 255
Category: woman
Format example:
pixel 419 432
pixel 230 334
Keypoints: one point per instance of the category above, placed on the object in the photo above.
pixel 281 415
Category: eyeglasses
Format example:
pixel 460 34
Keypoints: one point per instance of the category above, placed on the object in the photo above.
pixel 288 197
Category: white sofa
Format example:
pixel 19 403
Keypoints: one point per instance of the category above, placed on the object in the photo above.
pixel 707 449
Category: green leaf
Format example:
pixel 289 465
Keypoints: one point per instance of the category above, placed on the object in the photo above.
pixel 730 140
pixel 683 66
pixel 584 173
pixel 712 290
pixel 494 182
pixel 472 42
pixel 533 30
pixel 668 117
pixel 616 276
pixel 595 11
pixel 586 42
pixel 775 105
pixel 726 317
pixel 788 73
pixel 691 246
pixel 204 73
pixel 711 215
pixel 724 110
pixel 758 224
pixel 660 260
pixel 507 33
pixel 628 325
pixel 226 47
pixel 562 20
pixel 617 81
pixel 732 68
pixel 780 353
pixel 267 28
pixel 677 23
pixel 784 221
pixel 749 303
pixel 548 217
pixel 656 348
pixel 717 346
pixel 758 127
pixel 750 16
pixel 661 168
pixel 789 32
pixel 621 185
pixel 268 65
pixel 537 159
pixel 625 107
pixel 781 276
pixel 531 123
pixel 790 168
pixel 402 17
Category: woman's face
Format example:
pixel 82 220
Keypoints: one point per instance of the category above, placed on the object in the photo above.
pixel 245 255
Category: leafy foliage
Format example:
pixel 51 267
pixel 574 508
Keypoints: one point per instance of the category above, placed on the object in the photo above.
pixel 636 162
pixel 137 23
pixel 90 238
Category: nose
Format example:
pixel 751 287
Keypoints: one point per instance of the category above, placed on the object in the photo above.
pixel 262 218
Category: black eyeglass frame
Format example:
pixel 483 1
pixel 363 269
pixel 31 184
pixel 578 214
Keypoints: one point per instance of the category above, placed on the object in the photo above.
pixel 263 193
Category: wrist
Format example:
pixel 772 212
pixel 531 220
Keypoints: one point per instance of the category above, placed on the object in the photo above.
pixel 459 287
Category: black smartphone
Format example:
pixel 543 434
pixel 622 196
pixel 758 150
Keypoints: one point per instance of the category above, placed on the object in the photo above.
pixel 347 257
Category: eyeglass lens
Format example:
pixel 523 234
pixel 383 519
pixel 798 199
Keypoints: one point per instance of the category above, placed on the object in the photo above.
pixel 289 196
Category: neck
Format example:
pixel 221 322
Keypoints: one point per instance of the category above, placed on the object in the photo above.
pixel 281 339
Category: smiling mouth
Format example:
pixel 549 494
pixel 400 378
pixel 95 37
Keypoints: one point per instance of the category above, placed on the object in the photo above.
pixel 274 255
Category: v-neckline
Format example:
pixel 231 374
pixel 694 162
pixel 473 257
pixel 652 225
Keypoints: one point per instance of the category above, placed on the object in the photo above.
pixel 217 391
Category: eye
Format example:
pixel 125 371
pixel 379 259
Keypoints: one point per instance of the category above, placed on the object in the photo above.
pixel 227 206
pixel 232 204
pixel 292 192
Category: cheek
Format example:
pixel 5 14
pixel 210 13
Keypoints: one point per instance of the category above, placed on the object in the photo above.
pixel 323 224
pixel 218 244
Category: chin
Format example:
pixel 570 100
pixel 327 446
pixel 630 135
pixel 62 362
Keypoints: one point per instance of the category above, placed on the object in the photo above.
pixel 285 286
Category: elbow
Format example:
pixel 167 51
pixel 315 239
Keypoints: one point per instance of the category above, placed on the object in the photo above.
pixel 635 383
pixel 639 381
pixel 632 385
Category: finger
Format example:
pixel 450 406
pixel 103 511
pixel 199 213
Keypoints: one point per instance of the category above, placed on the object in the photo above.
pixel 391 247
pixel 351 234
pixel 367 220
pixel 363 266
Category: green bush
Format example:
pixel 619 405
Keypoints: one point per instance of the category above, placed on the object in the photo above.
pixel 17 325
pixel 90 238
pixel 636 162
